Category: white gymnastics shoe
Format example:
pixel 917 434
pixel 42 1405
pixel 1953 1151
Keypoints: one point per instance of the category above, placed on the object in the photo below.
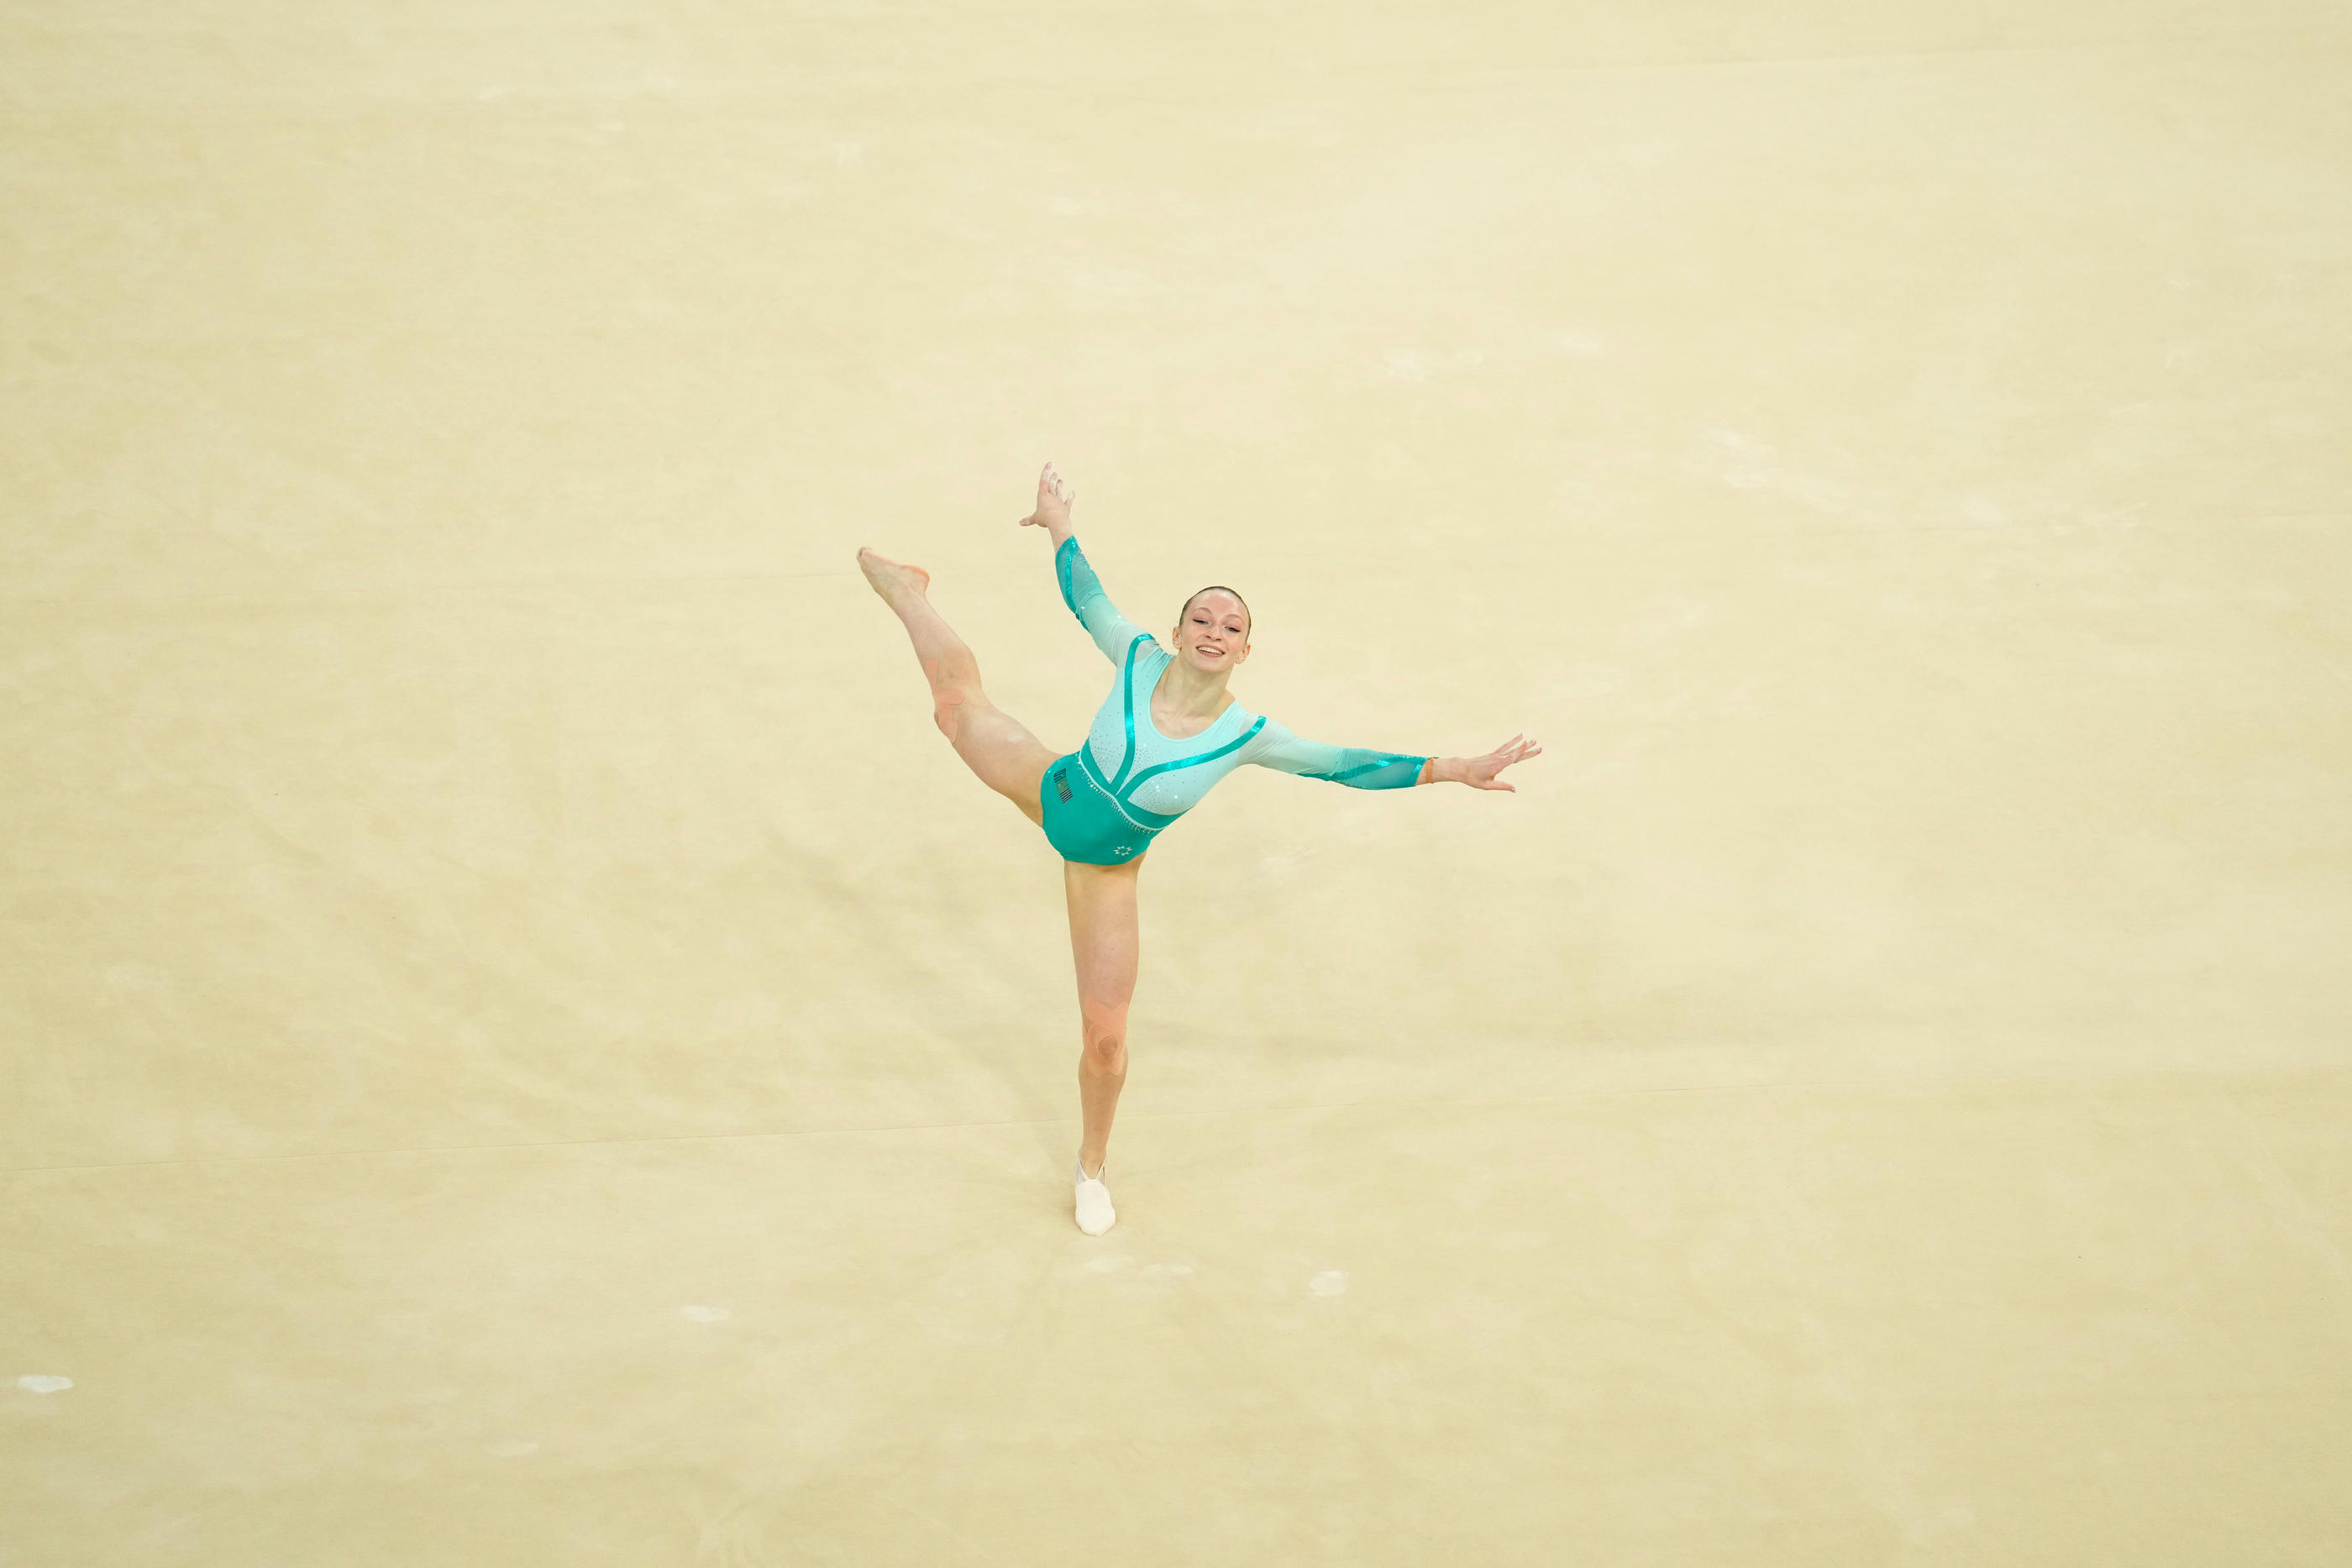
pixel 1094 1212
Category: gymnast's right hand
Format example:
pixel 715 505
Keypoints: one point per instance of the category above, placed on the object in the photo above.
pixel 1054 498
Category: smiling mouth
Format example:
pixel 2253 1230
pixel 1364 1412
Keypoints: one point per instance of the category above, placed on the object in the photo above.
pixel 1206 653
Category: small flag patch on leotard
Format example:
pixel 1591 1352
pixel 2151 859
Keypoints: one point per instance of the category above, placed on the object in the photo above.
pixel 1062 783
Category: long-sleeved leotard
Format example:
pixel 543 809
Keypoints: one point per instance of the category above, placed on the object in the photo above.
pixel 1105 801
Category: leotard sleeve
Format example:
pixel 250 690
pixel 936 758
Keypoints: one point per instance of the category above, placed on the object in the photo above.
pixel 1082 590
pixel 1276 747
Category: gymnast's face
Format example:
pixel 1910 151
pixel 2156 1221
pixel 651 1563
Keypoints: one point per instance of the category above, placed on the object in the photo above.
pixel 1213 633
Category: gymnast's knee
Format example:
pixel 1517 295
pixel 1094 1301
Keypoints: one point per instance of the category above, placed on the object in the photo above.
pixel 955 688
pixel 952 707
pixel 1105 1050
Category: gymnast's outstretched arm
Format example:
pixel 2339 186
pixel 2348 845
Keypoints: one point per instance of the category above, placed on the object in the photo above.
pixel 1082 590
pixel 1362 769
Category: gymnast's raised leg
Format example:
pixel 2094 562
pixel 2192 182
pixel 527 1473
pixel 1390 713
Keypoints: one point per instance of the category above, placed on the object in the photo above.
pixel 992 743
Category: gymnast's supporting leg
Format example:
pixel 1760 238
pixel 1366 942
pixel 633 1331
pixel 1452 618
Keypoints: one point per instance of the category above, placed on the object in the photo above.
pixel 1103 940
pixel 996 745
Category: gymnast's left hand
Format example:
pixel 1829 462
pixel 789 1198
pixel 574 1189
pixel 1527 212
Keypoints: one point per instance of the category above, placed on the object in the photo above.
pixel 1478 772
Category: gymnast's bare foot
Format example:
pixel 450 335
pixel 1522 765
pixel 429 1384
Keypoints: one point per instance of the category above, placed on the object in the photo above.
pixel 892 577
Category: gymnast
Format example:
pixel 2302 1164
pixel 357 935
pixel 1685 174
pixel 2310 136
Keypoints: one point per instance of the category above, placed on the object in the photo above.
pixel 1167 731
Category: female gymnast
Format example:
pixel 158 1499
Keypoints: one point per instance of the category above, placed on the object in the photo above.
pixel 1168 730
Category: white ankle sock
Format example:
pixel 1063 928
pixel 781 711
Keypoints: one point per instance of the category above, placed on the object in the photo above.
pixel 1094 1212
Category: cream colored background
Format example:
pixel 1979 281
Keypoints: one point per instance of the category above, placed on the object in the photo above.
pixel 480 878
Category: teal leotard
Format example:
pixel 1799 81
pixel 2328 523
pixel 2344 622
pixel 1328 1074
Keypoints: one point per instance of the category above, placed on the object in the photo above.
pixel 1105 801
